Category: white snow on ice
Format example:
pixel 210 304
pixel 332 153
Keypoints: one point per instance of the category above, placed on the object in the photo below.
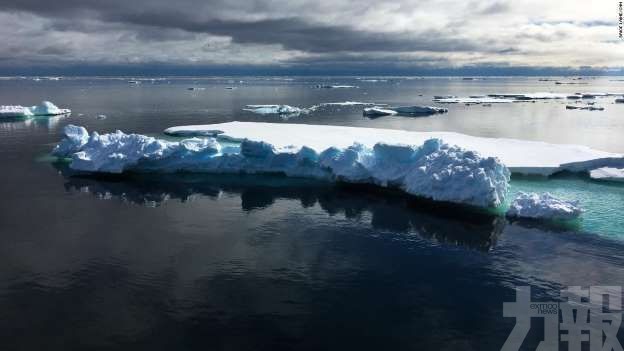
pixel 544 206
pixel 433 170
pixel 46 108
pixel 608 173
pixel 520 156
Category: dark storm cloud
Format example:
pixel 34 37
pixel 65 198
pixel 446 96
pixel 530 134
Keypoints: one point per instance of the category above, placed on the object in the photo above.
pixel 294 33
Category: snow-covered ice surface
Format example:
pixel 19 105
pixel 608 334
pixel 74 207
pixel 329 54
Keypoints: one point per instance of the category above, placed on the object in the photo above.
pixel 520 156
pixel 544 206
pixel 608 173
pixel 46 108
pixel 433 170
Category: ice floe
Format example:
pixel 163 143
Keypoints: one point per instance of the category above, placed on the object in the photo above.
pixel 608 173
pixel 471 100
pixel 584 107
pixel 292 111
pixel 418 110
pixel 544 206
pixel 326 86
pixel 433 170
pixel 46 108
pixel 520 156
pixel 275 109
pixel 378 112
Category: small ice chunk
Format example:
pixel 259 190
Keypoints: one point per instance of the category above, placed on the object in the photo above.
pixel 608 173
pixel 544 206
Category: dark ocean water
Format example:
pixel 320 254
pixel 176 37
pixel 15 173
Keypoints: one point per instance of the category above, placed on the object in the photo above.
pixel 268 263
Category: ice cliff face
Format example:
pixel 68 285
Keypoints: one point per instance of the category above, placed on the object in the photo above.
pixel 544 206
pixel 434 170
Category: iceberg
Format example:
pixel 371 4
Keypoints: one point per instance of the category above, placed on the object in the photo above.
pixel 433 170
pixel 520 156
pixel 608 173
pixel 46 108
pixel 544 206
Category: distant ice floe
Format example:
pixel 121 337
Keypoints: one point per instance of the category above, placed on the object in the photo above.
pixel 471 100
pixel 46 108
pixel 544 206
pixel 608 173
pixel 325 86
pixel 585 107
pixel 195 88
pixel 433 170
pixel 545 159
pixel 378 111
pixel 293 111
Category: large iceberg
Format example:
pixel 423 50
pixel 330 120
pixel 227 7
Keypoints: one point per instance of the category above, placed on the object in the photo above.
pixel 520 156
pixel 46 108
pixel 433 170
pixel 544 206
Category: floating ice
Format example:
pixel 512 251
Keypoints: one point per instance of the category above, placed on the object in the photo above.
pixel 471 100
pixel 521 156
pixel 418 110
pixel 275 109
pixel 544 206
pixel 434 170
pixel 608 173
pixel 195 88
pixel 324 86
pixel 45 109
pixel 378 112
pixel 585 107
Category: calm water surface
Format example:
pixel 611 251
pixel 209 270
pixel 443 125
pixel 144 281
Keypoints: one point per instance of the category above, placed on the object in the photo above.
pixel 253 262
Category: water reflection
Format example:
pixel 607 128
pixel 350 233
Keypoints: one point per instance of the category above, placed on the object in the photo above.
pixel 388 211
pixel 11 124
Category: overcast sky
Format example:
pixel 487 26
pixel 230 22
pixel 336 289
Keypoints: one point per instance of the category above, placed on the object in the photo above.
pixel 375 36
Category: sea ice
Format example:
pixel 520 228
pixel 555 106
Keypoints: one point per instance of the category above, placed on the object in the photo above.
pixel 418 110
pixel 520 156
pixel 471 100
pixel 585 107
pixel 608 173
pixel 275 109
pixel 544 206
pixel 433 170
pixel 378 112
pixel 46 108
pixel 324 86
